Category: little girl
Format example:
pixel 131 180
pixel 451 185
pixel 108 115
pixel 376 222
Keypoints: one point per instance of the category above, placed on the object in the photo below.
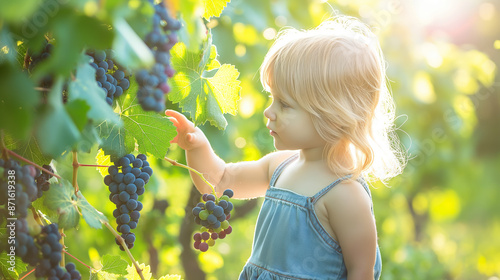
pixel 331 118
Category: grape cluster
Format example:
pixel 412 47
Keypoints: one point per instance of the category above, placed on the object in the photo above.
pixel 153 83
pixel 213 215
pixel 25 245
pixel 110 76
pixel 36 58
pixel 17 182
pixel 21 181
pixel 39 246
pixel 42 180
pixel 125 187
pixel 48 265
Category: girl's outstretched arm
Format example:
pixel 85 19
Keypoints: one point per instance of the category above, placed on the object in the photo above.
pixel 247 179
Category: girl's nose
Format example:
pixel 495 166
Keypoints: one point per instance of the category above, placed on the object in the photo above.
pixel 268 113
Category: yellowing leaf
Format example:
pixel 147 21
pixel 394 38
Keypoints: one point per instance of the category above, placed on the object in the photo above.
pixel 102 159
pixel 213 8
pixel 133 275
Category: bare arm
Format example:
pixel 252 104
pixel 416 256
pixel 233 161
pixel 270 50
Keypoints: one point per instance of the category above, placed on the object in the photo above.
pixel 247 179
pixel 352 221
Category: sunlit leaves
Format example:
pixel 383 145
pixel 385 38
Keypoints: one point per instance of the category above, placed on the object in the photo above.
pixel 205 94
pixel 213 8
pixel 150 131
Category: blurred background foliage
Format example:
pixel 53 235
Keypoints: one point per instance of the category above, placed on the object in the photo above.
pixel 439 220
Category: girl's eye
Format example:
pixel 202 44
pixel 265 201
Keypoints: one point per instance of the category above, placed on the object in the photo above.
pixel 284 105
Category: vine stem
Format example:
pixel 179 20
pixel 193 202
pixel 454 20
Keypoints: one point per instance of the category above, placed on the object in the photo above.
pixel 124 245
pixel 30 162
pixel 173 162
pixel 75 171
pixel 27 274
pixel 63 260
pixel 66 252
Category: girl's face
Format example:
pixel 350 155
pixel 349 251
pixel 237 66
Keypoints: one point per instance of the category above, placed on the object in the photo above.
pixel 291 125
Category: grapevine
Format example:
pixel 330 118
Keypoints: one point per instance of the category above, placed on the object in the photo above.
pixel 61 67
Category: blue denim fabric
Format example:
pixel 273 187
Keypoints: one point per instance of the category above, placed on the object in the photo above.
pixel 291 243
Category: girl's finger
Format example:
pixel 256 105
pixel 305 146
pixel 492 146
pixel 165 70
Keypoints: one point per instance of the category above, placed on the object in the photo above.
pixel 181 119
pixel 174 121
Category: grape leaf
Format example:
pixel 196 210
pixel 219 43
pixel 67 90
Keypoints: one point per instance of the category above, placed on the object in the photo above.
pixel 150 131
pixel 61 198
pixel 203 91
pixel 129 49
pixel 93 217
pixel 64 58
pixel 89 138
pixel 77 110
pixel 11 270
pixel 213 8
pixel 28 149
pixel 85 87
pixel 102 159
pixel 13 11
pixel 56 131
pixel 114 264
pixel 133 275
pixel 17 101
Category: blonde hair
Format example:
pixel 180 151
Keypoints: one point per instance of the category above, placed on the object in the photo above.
pixel 336 72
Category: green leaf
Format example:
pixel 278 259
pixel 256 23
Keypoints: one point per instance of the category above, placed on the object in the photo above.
pixel 7 46
pixel 213 8
pixel 151 131
pixel 11 269
pixel 206 93
pixel 68 47
pixel 84 87
pixel 114 264
pixel 56 131
pixel 13 11
pixel 89 138
pixel 28 148
pixel 77 110
pixel 17 101
pixel 129 48
pixel 61 198
pixel 93 217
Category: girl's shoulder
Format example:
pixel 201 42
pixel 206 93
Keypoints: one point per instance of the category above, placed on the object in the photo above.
pixel 274 159
pixel 348 196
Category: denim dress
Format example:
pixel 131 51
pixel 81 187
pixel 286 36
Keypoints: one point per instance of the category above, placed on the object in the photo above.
pixel 290 242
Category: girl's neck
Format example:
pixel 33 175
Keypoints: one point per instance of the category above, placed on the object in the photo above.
pixel 315 158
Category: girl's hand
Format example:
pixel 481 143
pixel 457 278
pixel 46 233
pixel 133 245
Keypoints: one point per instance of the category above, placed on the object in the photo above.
pixel 188 136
